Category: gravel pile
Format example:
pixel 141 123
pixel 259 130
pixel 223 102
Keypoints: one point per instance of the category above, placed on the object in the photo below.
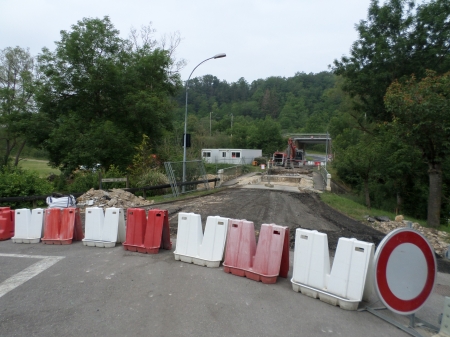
pixel 111 198
pixel 439 240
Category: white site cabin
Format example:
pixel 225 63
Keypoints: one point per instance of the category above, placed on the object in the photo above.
pixel 230 156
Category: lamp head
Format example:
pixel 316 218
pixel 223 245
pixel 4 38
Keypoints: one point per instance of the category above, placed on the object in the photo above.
pixel 218 56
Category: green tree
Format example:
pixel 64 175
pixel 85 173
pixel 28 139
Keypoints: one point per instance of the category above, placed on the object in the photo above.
pixel 240 133
pixel 17 73
pixel 99 94
pixel 294 114
pixel 265 135
pixel 270 105
pixel 397 39
pixel 421 117
pixel 357 156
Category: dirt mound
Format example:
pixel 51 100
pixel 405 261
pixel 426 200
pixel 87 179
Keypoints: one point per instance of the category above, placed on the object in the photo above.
pixel 111 198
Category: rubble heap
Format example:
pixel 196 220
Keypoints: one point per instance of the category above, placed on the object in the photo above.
pixel 439 240
pixel 111 198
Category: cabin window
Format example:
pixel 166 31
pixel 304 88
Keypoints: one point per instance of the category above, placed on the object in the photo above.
pixel 206 154
pixel 224 154
pixel 235 155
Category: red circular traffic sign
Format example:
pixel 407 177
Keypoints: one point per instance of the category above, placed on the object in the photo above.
pixel 405 271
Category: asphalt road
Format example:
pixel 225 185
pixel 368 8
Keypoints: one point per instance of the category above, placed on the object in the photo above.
pixel 99 291
pixel 316 157
pixel 76 290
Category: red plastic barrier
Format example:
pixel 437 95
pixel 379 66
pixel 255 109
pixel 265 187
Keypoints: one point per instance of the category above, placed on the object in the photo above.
pixel 240 248
pixel 135 232
pixel 263 262
pixel 6 223
pixel 147 235
pixel 62 226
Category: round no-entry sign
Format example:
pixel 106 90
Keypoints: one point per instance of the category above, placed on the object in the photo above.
pixel 405 271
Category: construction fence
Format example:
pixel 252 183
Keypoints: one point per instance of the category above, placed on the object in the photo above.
pixel 229 173
pixel 184 172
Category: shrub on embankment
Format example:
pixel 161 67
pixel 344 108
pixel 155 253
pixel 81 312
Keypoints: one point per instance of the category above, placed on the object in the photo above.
pixel 16 182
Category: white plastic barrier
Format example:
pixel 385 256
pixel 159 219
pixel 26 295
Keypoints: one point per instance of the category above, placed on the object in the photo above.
pixel 28 225
pixel 311 260
pixel 445 324
pixel 347 283
pixel 104 230
pixel 194 247
pixel 350 266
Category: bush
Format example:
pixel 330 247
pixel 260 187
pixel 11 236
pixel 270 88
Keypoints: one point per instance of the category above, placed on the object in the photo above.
pixel 114 172
pixel 86 179
pixel 150 178
pixel 261 160
pixel 212 168
pixel 83 181
pixel 15 182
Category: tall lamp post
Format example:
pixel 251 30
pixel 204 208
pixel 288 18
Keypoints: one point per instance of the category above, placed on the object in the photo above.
pixel 218 56
pixel 210 123
pixel 231 127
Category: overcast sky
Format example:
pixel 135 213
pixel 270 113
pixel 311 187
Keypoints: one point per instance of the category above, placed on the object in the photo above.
pixel 261 38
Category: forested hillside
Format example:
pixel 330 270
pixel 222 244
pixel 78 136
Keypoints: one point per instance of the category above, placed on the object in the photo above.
pixel 256 114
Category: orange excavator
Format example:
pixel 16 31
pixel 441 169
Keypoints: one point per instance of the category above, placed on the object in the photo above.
pixel 292 155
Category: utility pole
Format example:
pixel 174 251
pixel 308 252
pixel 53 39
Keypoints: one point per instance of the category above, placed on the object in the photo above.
pixel 326 151
pixel 210 123
pixel 231 127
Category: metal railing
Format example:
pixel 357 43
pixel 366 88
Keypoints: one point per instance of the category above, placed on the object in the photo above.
pixel 326 177
pixel 35 198
pixel 185 171
pixel 307 135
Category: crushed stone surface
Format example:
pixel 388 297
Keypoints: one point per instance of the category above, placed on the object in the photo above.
pixel 439 240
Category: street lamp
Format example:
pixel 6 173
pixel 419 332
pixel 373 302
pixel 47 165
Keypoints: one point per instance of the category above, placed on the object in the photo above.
pixel 210 123
pixel 218 56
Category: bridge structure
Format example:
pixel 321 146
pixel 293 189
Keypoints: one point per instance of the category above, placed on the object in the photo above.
pixel 310 138
pixel 303 139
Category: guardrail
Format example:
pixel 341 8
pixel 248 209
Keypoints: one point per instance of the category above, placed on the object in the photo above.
pixel 326 177
pixel 35 198
pixel 229 173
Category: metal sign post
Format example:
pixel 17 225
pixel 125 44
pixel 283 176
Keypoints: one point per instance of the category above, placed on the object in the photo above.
pixel 268 174
pixel 405 273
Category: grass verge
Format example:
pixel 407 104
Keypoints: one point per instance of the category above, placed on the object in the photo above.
pixel 357 211
pixel 40 166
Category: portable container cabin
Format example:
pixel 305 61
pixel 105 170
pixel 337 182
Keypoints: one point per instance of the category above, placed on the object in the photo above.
pixel 230 156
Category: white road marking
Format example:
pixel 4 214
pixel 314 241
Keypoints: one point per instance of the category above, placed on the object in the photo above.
pixel 29 272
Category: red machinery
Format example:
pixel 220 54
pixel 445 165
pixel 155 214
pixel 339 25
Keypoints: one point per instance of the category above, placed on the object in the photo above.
pixel 292 155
